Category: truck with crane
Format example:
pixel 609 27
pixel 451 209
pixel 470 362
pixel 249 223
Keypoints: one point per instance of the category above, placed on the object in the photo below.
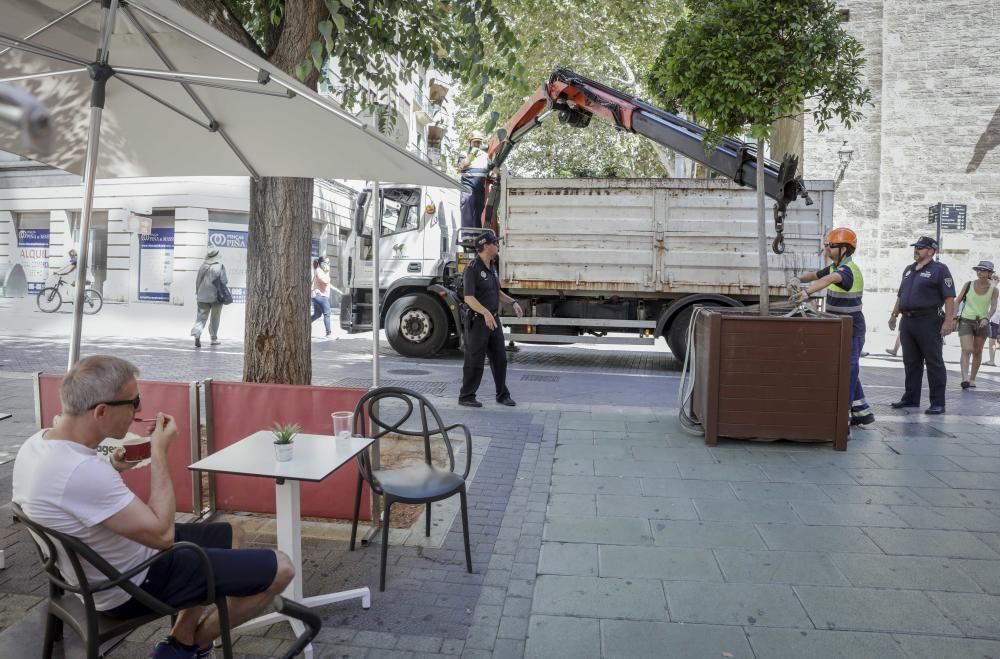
pixel 590 260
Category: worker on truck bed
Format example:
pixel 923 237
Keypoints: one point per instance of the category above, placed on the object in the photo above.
pixel 845 286
pixel 483 331
pixel 474 166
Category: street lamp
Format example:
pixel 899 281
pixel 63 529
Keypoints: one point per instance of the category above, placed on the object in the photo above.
pixel 844 155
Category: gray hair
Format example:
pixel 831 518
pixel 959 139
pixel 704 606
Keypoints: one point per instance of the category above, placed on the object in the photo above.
pixel 93 380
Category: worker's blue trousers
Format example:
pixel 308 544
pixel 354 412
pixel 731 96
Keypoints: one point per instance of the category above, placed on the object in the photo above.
pixel 859 406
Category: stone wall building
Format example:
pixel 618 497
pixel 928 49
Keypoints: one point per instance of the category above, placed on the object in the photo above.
pixel 932 135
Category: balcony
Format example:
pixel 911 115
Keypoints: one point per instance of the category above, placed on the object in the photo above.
pixel 425 111
pixel 435 134
pixel 438 90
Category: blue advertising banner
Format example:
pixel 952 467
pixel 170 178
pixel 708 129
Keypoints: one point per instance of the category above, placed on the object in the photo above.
pixel 232 246
pixel 33 255
pixel 156 265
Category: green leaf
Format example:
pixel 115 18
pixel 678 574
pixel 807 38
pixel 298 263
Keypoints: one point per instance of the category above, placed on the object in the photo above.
pixel 326 29
pixel 333 6
pixel 348 3
pixel 316 52
pixel 339 20
pixel 303 69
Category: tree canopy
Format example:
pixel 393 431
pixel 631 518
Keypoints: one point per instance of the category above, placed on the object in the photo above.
pixel 372 45
pixel 608 40
pixel 737 66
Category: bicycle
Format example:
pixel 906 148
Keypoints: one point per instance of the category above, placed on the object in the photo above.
pixel 50 298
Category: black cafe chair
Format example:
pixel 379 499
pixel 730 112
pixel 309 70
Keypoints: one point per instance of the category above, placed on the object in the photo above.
pixel 73 604
pixel 421 483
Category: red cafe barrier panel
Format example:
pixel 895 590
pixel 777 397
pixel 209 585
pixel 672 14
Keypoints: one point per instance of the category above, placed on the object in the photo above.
pixel 173 398
pixel 235 410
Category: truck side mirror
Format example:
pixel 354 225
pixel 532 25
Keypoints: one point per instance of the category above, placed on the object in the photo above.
pixel 360 207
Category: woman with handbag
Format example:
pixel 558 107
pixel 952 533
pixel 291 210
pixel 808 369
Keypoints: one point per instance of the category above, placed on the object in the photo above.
pixel 977 303
pixel 211 297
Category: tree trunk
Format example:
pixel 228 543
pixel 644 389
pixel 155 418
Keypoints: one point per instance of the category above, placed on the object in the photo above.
pixel 277 345
pixel 762 231
pixel 788 137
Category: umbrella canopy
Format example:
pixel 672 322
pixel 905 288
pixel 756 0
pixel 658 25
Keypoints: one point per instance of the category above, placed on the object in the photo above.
pixel 154 126
pixel 143 88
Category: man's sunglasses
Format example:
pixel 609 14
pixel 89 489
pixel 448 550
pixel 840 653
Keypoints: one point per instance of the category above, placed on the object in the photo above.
pixel 134 402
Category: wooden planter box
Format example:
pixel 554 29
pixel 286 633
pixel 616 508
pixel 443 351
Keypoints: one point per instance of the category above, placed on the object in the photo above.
pixel 771 377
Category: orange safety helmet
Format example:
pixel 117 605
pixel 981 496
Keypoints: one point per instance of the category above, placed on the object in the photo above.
pixel 842 236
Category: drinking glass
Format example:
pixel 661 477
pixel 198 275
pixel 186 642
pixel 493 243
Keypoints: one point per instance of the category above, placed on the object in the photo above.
pixel 342 425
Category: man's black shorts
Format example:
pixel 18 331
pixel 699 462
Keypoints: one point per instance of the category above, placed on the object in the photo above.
pixel 179 578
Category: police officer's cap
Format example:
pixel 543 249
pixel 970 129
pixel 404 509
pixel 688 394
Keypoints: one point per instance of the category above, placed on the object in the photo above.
pixel 925 241
pixel 486 239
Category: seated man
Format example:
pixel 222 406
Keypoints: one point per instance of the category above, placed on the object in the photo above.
pixel 61 483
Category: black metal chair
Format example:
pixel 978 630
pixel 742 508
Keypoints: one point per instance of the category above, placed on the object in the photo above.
pixel 96 629
pixel 421 483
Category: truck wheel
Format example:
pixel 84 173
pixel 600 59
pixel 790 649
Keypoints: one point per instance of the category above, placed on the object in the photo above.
pixel 677 333
pixel 416 326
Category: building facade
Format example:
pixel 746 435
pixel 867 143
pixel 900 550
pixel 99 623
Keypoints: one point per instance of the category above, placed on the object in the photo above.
pixel 932 135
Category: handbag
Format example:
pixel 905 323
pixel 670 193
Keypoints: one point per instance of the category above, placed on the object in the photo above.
pixel 222 292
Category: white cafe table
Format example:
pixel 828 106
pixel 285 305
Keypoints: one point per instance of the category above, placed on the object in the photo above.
pixel 314 458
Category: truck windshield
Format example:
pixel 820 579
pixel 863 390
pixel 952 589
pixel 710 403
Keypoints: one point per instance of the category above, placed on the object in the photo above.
pixel 397 217
pixel 400 211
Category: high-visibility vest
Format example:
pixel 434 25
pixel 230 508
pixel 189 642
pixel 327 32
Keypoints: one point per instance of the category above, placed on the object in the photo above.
pixel 842 300
pixel 475 162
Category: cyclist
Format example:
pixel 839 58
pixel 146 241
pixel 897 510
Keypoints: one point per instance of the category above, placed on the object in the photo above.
pixel 70 267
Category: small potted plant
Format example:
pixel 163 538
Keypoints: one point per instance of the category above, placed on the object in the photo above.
pixel 284 436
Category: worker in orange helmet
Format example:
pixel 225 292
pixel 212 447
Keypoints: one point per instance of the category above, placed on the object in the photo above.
pixel 845 286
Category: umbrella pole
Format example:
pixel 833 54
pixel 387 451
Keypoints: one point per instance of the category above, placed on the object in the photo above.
pixel 100 72
pixel 376 311
pixel 376 208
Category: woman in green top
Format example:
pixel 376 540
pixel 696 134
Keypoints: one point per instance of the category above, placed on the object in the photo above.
pixel 980 303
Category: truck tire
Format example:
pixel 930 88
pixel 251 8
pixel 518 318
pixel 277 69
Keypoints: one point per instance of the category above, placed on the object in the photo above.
pixel 416 326
pixel 677 333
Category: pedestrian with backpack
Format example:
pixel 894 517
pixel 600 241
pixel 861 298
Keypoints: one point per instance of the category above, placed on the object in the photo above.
pixel 212 290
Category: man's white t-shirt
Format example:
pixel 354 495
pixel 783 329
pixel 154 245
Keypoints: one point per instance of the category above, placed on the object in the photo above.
pixel 67 487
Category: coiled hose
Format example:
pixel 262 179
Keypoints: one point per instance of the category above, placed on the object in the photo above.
pixel 686 388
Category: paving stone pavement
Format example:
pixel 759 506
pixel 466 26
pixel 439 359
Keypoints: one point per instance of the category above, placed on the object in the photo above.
pixel 610 531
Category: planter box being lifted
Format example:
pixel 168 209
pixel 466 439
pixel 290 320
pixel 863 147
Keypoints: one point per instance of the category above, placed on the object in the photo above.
pixel 768 378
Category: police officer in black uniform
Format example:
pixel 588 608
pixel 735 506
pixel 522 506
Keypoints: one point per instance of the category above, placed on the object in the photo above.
pixel 926 286
pixel 483 331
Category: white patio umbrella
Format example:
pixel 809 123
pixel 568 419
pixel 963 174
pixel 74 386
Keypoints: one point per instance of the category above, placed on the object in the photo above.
pixel 144 88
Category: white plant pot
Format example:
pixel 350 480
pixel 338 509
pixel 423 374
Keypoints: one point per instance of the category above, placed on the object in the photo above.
pixel 283 452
